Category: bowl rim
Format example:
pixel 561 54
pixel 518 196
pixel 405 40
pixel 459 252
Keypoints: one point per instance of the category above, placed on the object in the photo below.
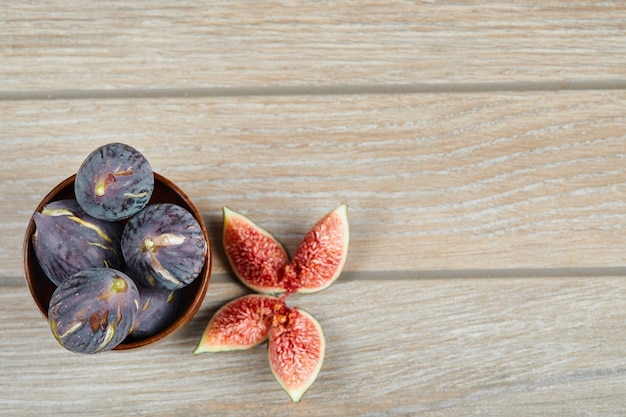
pixel 186 313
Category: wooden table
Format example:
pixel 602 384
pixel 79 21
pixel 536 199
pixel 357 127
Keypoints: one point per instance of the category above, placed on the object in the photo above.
pixel 480 146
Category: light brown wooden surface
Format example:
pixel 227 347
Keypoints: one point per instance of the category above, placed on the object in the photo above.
pixel 51 45
pixel 523 346
pixel 481 148
pixel 438 181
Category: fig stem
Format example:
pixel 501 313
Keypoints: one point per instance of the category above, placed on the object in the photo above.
pixel 148 245
pixel 100 189
pixel 119 285
pixel 101 186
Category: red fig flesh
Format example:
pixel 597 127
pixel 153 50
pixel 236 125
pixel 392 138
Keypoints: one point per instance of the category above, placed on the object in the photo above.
pixel 257 258
pixel 296 341
pixel 320 257
pixel 238 325
pixel 296 350
pixel 262 264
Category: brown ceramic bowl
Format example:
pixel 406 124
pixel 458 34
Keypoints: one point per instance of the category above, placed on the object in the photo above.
pixel 192 295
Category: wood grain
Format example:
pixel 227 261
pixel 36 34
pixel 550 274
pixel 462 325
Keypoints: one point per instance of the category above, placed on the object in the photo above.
pixel 188 44
pixel 481 149
pixel 443 347
pixel 434 182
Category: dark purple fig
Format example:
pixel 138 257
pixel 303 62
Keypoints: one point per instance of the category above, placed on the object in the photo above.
pixel 164 246
pixel 114 182
pixel 93 310
pixel 157 309
pixel 68 240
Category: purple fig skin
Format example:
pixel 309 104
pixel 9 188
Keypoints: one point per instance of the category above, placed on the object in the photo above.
pixel 157 309
pixel 68 240
pixel 114 182
pixel 93 310
pixel 164 246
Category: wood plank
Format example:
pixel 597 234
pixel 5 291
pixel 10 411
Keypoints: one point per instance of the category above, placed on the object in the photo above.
pixel 184 44
pixel 434 182
pixel 443 347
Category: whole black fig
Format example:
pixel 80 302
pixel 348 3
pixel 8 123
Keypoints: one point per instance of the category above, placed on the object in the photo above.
pixel 157 309
pixel 93 310
pixel 114 182
pixel 164 246
pixel 68 240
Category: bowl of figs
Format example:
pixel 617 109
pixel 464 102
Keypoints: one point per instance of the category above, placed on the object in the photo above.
pixel 116 256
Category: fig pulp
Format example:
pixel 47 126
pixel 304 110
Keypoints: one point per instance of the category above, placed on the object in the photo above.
pixel 240 324
pixel 68 240
pixel 164 246
pixel 319 259
pixel 93 310
pixel 114 182
pixel 296 350
pixel 262 264
pixel 296 341
pixel 256 257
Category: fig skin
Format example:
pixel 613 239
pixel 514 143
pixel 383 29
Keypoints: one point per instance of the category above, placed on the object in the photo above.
pixel 68 240
pixel 164 246
pixel 157 309
pixel 93 310
pixel 114 182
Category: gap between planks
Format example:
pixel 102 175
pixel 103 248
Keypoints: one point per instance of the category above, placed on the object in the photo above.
pixel 425 275
pixel 412 88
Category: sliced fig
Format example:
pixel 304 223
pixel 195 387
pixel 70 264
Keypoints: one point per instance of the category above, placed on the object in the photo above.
pixel 93 310
pixel 257 259
pixel 241 324
pixel 164 246
pixel 296 350
pixel 320 257
pixel 68 240
pixel 296 341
